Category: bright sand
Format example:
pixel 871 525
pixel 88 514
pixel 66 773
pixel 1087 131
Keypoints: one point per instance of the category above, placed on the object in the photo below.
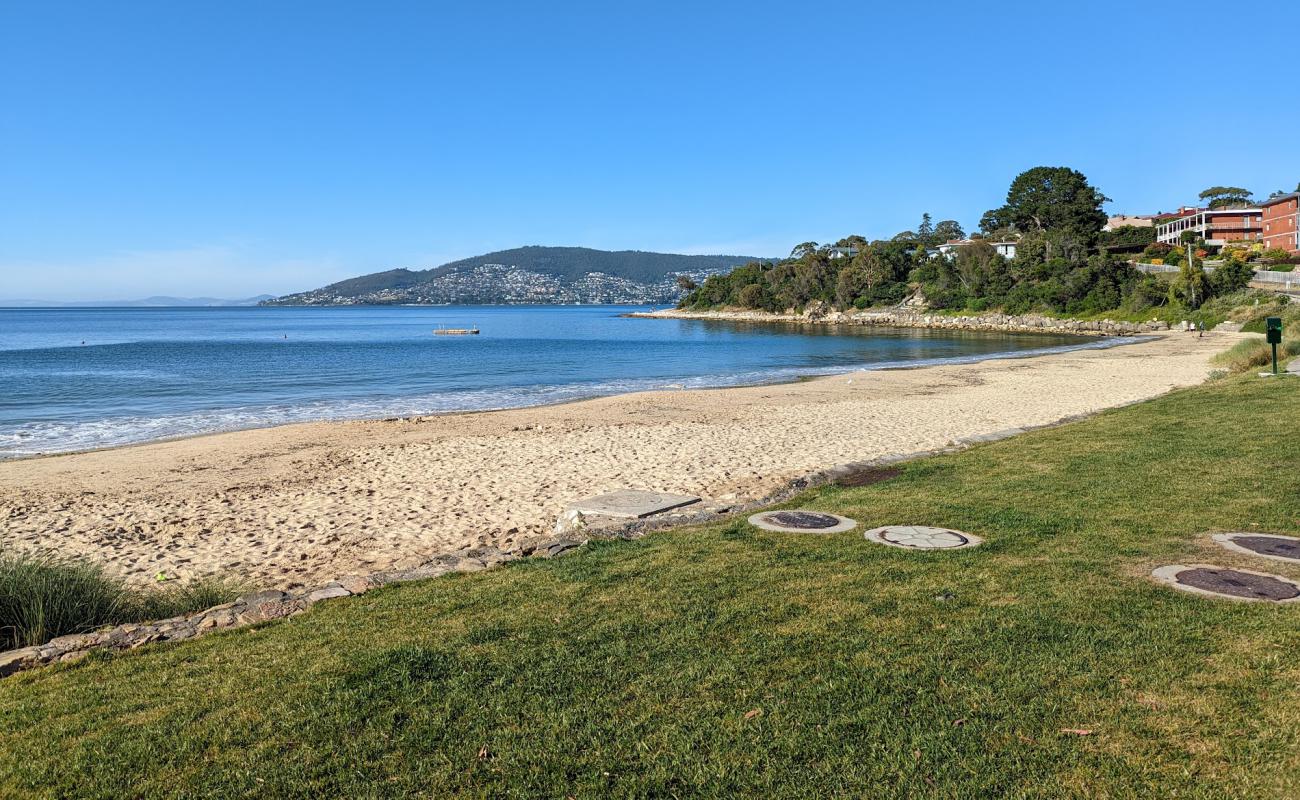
pixel 311 502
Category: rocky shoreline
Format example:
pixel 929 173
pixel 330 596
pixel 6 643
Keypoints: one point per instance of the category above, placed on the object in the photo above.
pixel 904 317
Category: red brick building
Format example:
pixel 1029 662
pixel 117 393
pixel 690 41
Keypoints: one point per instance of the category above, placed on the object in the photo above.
pixel 1217 227
pixel 1281 229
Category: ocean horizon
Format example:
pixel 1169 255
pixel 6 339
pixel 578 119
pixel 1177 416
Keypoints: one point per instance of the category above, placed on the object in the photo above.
pixel 89 378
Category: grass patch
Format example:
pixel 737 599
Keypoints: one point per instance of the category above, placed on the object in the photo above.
pixel 44 596
pixel 722 661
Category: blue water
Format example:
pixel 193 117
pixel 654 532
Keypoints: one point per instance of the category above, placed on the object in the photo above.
pixel 73 379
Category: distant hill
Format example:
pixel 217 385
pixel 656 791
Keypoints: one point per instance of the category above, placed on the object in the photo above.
pixel 157 301
pixel 527 275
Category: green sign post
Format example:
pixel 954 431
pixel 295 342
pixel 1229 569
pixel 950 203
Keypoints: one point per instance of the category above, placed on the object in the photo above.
pixel 1273 328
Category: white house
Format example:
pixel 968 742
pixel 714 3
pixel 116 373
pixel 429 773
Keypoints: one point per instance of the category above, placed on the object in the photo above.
pixel 948 249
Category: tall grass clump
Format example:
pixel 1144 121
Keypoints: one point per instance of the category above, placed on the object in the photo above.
pixel 183 598
pixel 43 596
pixel 1254 353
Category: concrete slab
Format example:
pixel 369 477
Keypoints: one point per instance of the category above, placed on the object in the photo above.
pixel 632 503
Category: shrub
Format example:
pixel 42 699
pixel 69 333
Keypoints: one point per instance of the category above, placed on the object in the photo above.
pixel 44 596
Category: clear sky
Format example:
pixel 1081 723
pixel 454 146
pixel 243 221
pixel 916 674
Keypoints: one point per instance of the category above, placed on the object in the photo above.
pixel 232 147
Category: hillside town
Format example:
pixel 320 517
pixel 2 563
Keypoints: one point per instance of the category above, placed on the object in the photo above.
pixel 505 284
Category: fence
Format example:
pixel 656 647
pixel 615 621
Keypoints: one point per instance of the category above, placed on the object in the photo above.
pixel 1285 281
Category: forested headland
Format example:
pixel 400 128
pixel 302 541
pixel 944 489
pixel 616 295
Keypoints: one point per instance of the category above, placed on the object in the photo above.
pixel 1063 263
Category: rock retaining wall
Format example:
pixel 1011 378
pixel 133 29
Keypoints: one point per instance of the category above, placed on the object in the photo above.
pixel 821 314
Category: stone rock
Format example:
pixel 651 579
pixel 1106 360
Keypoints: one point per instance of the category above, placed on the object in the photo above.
pixel 571 521
pixel 147 638
pixel 355 584
pixel 556 548
pixel 179 632
pixel 222 618
pixel 75 641
pixel 817 310
pixel 267 596
pixel 328 593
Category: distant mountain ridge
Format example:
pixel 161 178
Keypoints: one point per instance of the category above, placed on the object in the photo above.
pixel 532 274
pixel 157 301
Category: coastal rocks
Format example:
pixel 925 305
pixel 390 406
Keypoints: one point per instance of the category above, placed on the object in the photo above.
pixel 908 316
pixel 818 311
pixel 270 605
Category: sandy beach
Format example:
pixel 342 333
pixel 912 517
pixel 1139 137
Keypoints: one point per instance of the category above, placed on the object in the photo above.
pixel 310 502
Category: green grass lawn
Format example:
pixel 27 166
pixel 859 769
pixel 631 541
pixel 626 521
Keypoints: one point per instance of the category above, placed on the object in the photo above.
pixel 724 661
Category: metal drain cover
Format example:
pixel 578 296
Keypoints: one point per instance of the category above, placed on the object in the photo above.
pixel 922 537
pixel 1234 584
pixel 800 521
pixel 1268 545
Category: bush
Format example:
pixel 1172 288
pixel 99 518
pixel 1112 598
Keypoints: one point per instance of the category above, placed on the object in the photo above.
pixel 44 596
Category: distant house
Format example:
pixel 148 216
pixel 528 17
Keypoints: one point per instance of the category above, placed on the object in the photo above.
pixel 1281 223
pixel 1216 226
pixel 842 252
pixel 1125 221
pixel 1006 249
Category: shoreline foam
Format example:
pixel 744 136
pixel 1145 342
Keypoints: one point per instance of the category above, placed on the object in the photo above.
pixel 209 422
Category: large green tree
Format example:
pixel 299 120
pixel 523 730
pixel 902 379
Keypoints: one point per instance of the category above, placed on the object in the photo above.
pixel 1050 199
pixel 1226 196
pixel 948 229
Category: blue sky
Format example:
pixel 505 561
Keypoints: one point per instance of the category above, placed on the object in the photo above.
pixel 233 148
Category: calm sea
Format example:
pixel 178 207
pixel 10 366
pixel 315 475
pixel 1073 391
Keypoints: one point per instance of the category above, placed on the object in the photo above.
pixel 73 379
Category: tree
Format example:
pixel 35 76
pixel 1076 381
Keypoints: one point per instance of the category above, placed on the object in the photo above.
pixel 1051 199
pixel 803 249
pixel 948 229
pixel 925 232
pixel 977 265
pixel 1226 196
pixel 1233 275
pixel 685 283
pixel 751 296
pixel 1189 286
pixel 859 279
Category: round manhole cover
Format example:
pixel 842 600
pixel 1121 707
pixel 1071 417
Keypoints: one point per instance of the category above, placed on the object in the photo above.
pixel 1237 584
pixel 803 520
pixel 922 537
pixel 1268 545
pixel 800 521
